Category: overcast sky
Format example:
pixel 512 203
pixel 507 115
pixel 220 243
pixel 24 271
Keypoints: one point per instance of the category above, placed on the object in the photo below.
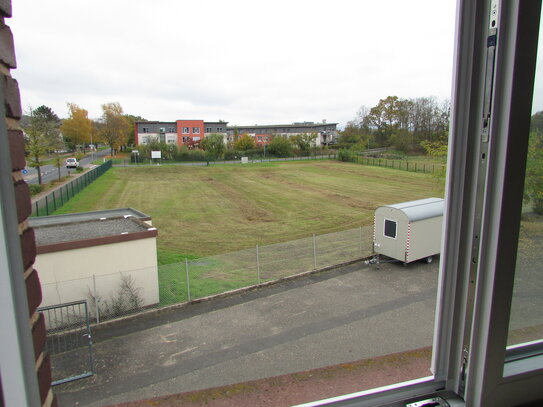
pixel 246 62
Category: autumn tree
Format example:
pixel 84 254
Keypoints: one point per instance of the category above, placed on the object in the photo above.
pixel 114 128
pixel 78 128
pixel 42 136
pixel 244 143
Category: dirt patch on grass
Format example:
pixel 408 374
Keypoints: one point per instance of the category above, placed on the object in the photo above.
pixel 248 210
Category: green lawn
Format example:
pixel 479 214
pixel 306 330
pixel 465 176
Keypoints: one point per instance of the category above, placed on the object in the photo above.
pixel 201 211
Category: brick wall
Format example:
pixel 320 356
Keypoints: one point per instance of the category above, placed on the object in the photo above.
pixel 12 103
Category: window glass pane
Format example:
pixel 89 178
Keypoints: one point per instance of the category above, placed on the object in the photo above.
pixel 339 324
pixel 390 228
pixel 526 322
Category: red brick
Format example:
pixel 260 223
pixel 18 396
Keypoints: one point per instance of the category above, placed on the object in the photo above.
pixel 5 8
pixel 33 292
pixel 12 98
pixel 28 248
pixel 39 335
pixel 22 200
pixel 44 378
pixel 7 50
pixel 17 149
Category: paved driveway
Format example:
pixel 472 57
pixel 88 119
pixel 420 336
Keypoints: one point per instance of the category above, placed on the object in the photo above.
pixel 353 313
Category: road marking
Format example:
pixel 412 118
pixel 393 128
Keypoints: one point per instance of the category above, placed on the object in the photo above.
pixel 183 351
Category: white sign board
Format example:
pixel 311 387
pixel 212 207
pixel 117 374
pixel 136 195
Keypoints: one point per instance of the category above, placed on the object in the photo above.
pixel 155 154
pixel 245 160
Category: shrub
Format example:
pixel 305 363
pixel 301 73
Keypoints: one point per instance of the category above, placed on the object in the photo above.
pixel 344 155
pixel 280 147
pixel 35 189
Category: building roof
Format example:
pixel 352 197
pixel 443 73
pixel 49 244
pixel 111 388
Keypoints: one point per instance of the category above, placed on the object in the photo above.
pixel 63 233
pixel 300 125
pixel 69 232
pixel 421 209
pixel 84 216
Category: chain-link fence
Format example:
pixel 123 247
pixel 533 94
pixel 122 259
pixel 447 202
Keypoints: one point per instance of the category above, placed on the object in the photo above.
pixel 131 291
pixel 57 198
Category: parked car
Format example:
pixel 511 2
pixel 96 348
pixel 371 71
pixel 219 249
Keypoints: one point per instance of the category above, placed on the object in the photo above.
pixel 72 162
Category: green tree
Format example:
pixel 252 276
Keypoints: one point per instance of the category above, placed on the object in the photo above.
pixel 77 129
pixel 533 185
pixel 42 136
pixel 114 128
pixel 244 143
pixel 213 145
pixel 131 119
pixel 280 146
pixel 303 142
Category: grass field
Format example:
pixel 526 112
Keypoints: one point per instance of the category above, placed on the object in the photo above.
pixel 201 211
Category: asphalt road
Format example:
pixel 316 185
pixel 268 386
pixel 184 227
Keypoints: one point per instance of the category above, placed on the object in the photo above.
pixel 357 312
pixel 50 172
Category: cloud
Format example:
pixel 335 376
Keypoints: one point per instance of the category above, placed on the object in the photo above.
pixel 242 61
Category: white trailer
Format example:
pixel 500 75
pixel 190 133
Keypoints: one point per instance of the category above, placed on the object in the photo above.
pixel 409 231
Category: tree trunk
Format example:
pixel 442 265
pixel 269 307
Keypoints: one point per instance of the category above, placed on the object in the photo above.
pixel 39 174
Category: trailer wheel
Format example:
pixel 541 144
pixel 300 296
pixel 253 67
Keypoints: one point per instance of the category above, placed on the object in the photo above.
pixel 429 259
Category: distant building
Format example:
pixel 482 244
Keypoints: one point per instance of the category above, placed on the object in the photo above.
pixel 325 133
pixel 181 132
pixel 191 132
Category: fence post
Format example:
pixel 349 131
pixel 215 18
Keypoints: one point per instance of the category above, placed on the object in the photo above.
pixel 315 251
pixel 257 265
pixel 360 240
pixel 37 209
pixel 188 279
pixel 54 201
pixel 46 205
pixel 61 199
pixel 95 299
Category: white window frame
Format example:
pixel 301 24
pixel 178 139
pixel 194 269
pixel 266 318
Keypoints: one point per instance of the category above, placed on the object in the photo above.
pixel 186 130
pixel 493 376
pixel 195 130
pixel 385 227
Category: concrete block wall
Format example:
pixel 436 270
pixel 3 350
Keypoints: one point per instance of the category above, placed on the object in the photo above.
pixel 12 103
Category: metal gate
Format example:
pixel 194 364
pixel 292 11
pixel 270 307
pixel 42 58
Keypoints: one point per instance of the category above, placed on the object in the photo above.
pixel 69 341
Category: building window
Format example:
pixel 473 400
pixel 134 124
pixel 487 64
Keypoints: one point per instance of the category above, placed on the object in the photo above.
pixel 219 129
pixel 171 129
pixel 195 130
pixel 185 130
pixel 259 138
pixel 186 139
pixel 145 130
pixel 390 228
pixel 209 129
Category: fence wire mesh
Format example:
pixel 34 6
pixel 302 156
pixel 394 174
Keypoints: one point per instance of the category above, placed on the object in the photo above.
pixel 127 292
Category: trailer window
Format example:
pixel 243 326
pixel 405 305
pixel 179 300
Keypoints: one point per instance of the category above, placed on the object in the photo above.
pixel 390 228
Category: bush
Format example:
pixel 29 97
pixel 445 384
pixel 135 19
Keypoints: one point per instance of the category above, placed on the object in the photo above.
pixel 280 147
pixel 344 155
pixel 35 189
